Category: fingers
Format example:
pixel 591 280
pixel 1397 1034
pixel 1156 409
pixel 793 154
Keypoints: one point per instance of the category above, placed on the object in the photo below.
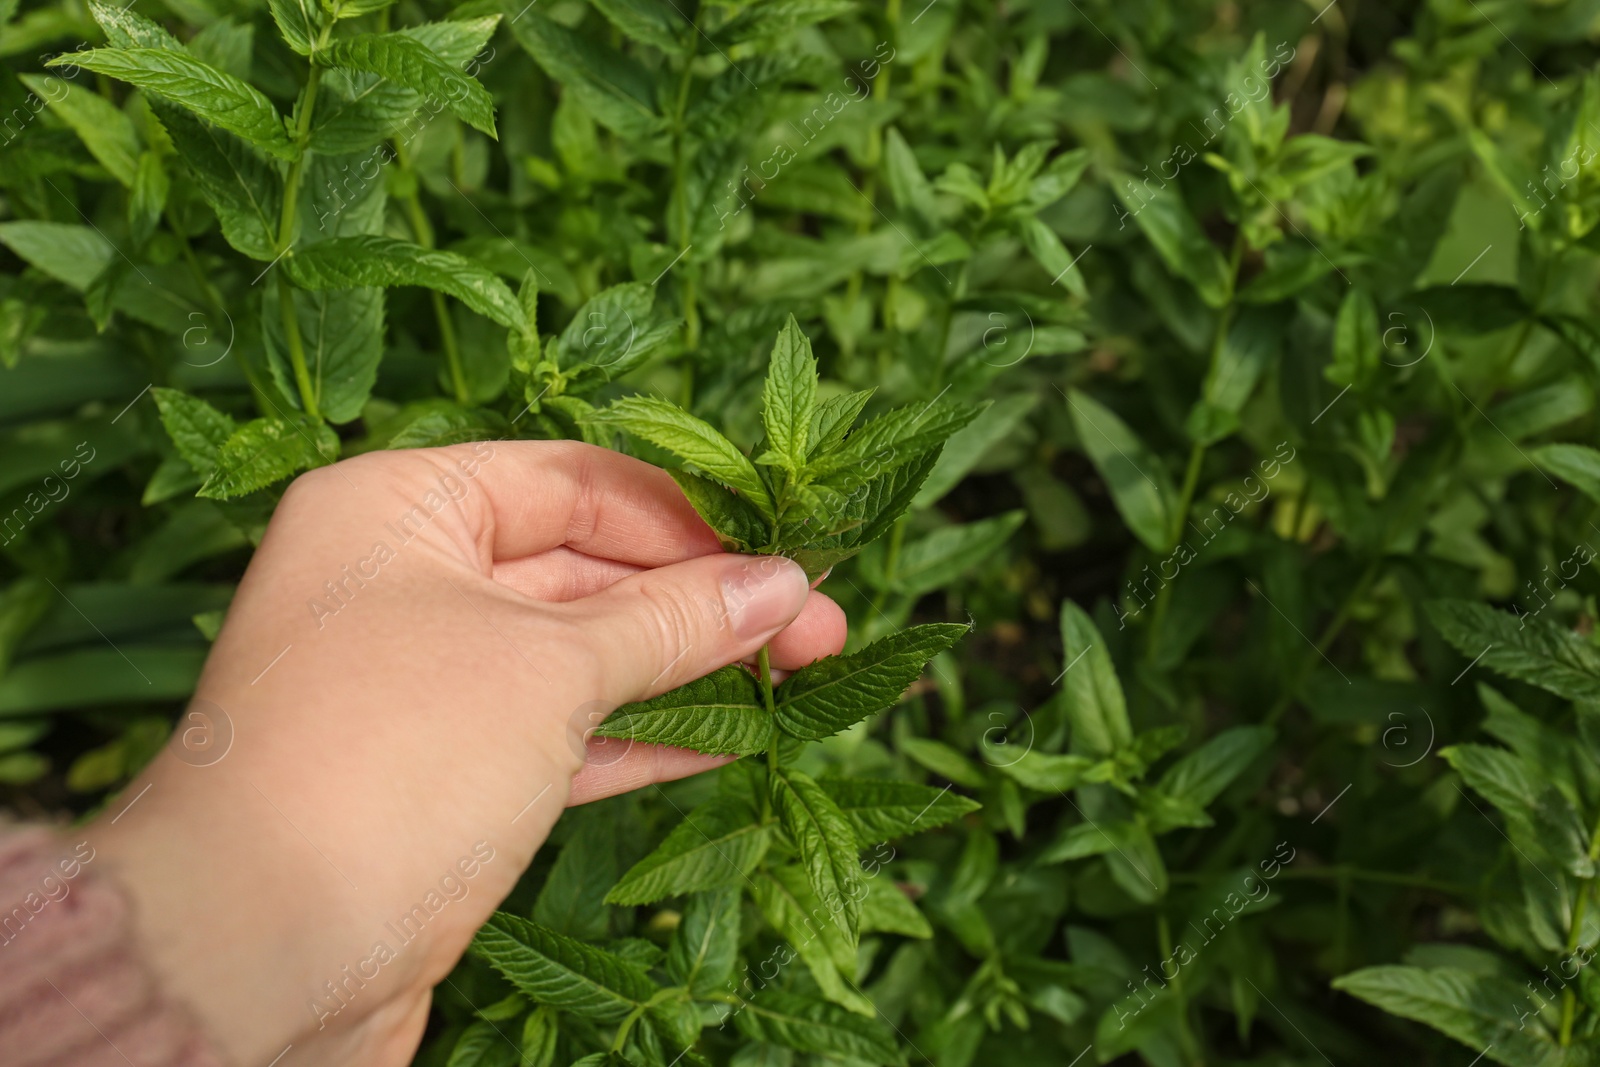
pixel 655 630
pixel 561 574
pixel 607 773
pixel 536 495
pixel 819 630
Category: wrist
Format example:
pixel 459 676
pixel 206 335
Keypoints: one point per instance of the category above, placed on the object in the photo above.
pixel 224 911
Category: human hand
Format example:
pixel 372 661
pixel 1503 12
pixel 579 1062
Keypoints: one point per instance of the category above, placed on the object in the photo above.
pixel 406 679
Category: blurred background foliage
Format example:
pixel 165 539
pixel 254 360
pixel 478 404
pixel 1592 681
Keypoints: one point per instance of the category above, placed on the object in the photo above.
pixel 1284 314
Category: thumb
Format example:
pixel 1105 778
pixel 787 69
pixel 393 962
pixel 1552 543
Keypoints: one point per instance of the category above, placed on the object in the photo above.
pixel 657 629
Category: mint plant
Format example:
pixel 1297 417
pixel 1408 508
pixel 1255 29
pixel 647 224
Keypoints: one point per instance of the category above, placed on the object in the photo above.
pixel 818 490
pixel 1280 320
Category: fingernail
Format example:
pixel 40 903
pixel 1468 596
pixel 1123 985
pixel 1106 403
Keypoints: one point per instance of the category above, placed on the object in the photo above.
pixel 760 595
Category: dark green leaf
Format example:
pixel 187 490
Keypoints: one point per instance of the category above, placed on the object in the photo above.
pixel 715 846
pixel 839 691
pixel 551 969
pixel 1533 650
pixel 371 260
pixel 881 811
pixel 720 713
pixel 826 844
pixel 211 94
pixel 409 62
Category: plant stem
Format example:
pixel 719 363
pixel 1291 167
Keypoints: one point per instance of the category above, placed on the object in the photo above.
pixel 297 350
pixel 1335 625
pixel 1191 1048
pixel 1568 1001
pixel 764 672
pixel 1575 934
pixel 680 166
pixel 1197 453
pixel 891 563
pixel 260 390
pixel 286 223
pixel 423 230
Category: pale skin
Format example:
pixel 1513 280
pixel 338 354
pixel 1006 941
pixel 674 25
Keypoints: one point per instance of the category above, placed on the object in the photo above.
pixel 445 706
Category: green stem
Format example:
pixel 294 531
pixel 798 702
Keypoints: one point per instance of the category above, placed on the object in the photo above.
pixel 1197 453
pixel 258 389
pixel 1329 635
pixel 286 224
pixel 423 229
pixel 1575 934
pixel 764 673
pixel 297 349
pixel 1568 1001
pixel 1158 614
pixel 621 1040
pixel 1186 1038
pixel 891 563
pixel 680 166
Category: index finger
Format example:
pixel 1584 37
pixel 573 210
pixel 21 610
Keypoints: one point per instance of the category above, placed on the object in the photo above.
pixel 538 495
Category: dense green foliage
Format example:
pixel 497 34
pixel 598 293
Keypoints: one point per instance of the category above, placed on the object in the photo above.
pixel 1228 367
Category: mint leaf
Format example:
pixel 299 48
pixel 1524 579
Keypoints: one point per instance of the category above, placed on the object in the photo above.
pixel 839 691
pixel 263 451
pixel 1200 777
pixel 407 61
pixel 1176 235
pixel 706 943
pixel 716 845
pixel 886 909
pixel 833 419
pixel 809 1025
pixel 1140 486
pixel 652 22
pixel 357 109
pixel 211 94
pixel 1475 1009
pixel 1577 465
pixel 789 398
pixel 367 259
pixel 892 440
pixel 1533 649
pixel 1535 808
pixel 297 23
pixel 613 88
pixel 101 126
pixel 943 556
pixel 738 526
pixel 826 844
pixel 692 440
pixel 197 429
pixel 789 903
pixel 549 968
pixel 1090 689
pixel 69 253
pixel 241 185
pixel 720 713
pixel 613 332
pixel 881 810
pixel 912 192
pixel 1047 772
pixel 129 29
